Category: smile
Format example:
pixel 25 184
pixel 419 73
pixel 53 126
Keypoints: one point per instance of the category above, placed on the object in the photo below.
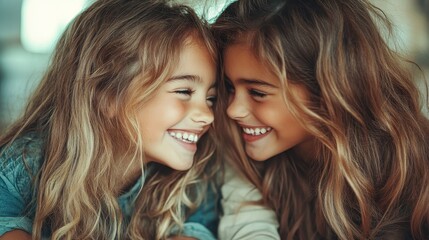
pixel 256 131
pixel 253 134
pixel 186 137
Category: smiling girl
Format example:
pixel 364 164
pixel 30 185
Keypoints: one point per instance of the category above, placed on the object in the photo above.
pixel 329 117
pixel 124 108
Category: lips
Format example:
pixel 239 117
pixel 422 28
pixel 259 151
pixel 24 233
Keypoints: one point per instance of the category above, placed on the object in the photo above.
pixel 251 134
pixel 187 139
pixel 256 131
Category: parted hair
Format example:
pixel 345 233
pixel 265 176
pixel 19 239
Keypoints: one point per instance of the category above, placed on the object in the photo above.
pixel 371 175
pixel 109 61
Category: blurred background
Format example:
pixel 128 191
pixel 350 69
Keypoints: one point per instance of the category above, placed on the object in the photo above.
pixel 29 30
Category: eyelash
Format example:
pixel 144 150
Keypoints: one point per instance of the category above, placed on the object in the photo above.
pixel 212 100
pixel 185 91
pixel 189 92
pixel 252 92
pixel 256 93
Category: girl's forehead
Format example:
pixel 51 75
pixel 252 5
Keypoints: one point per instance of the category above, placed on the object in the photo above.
pixel 197 39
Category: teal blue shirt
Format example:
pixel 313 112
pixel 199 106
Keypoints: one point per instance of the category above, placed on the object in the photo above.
pixel 16 192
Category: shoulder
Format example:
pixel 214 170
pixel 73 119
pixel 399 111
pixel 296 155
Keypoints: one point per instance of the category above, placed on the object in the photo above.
pixel 21 160
pixel 28 147
pixel 244 216
pixel 238 187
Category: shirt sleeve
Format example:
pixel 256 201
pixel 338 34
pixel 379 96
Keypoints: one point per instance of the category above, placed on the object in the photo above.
pixel 241 221
pixel 197 231
pixel 194 227
pixel 15 184
pixel 203 223
pixel 12 205
pixel 207 214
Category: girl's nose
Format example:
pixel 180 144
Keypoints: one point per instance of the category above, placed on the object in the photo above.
pixel 203 114
pixel 237 108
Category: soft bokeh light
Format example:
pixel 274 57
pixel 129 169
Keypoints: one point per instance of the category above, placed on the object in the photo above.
pixel 43 21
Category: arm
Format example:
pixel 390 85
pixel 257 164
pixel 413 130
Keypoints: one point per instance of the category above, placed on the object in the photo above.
pixel 244 222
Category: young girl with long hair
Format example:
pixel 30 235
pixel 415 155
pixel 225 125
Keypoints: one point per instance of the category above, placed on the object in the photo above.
pixel 125 107
pixel 329 117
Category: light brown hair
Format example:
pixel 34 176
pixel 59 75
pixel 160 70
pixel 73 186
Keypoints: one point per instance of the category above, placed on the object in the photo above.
pixel 371 176
pixel 108 62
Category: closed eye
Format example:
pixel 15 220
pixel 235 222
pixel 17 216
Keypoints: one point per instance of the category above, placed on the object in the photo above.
pixel 211 100
pixel 257 93
pixel 187 91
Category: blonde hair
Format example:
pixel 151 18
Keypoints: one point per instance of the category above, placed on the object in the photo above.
pixel 109 61
pixel 371 176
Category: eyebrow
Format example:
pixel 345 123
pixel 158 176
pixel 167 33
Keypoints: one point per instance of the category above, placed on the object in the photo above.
pixel 192 78
pixel 255 82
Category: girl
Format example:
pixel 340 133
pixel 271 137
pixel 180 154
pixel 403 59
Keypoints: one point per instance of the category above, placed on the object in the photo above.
pixel 124 108
pixel 329 117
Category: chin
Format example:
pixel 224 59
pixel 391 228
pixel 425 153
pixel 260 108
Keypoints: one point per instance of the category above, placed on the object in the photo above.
pixel 183 166
pixel 258 154
pixel 257 157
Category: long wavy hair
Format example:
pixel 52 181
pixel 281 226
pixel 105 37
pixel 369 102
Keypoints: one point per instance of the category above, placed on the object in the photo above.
pixel 371 174
pixel 110 60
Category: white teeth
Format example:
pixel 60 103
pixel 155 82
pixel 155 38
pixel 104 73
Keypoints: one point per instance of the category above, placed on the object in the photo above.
pixel 186 137
pixel 256 131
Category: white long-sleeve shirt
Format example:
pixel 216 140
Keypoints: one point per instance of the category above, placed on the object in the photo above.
pixel 244 222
